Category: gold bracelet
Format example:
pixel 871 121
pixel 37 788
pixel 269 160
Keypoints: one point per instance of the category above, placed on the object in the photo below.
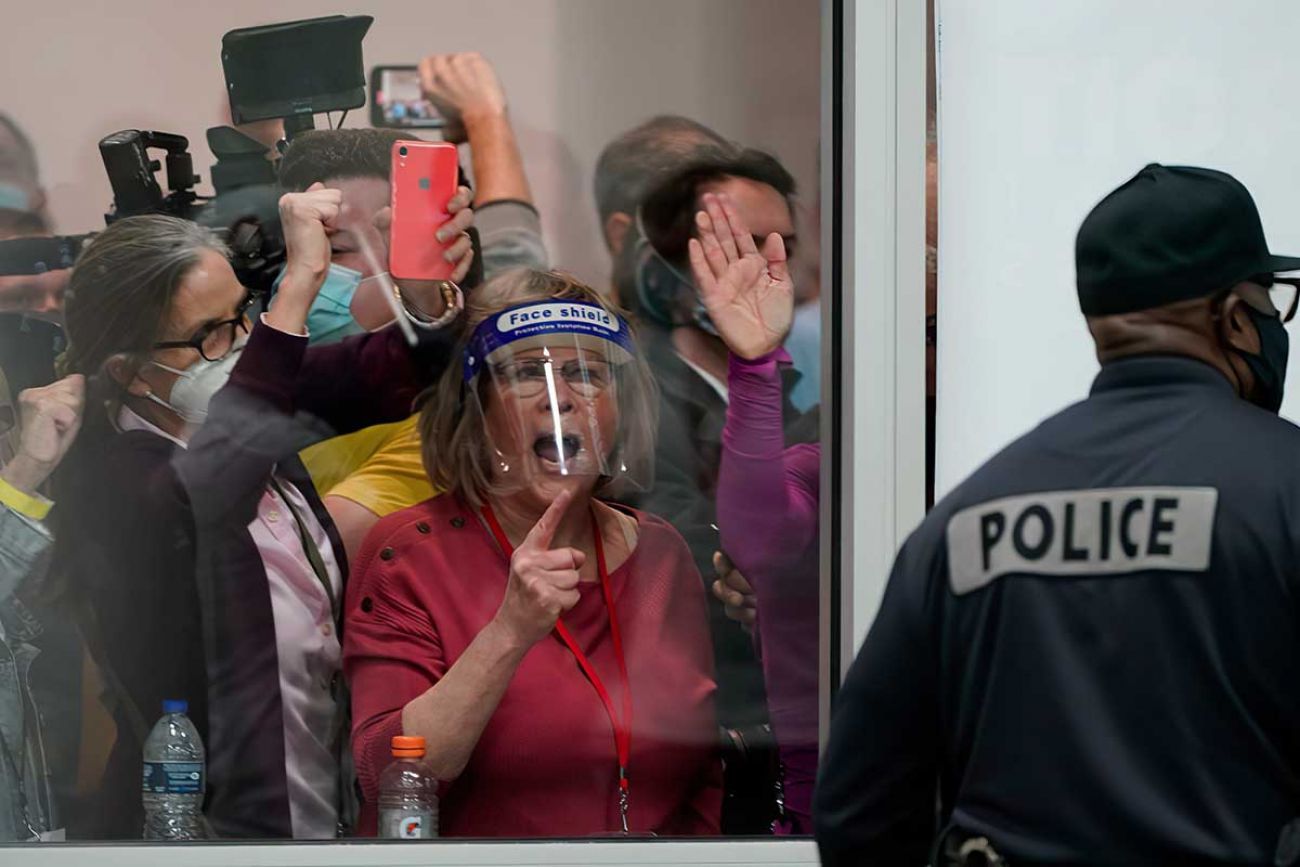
pixel 452 297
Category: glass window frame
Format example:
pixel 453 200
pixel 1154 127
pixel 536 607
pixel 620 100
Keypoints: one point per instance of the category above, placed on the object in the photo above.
pixel 873 97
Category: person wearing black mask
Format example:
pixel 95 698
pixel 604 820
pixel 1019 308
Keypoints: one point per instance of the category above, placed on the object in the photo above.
pixel 653 277
pixel 1088 653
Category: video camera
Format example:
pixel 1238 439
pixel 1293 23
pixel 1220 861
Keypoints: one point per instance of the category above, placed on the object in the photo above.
pixel 289 72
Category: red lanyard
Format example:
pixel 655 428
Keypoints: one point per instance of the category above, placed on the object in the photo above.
pixel 623 730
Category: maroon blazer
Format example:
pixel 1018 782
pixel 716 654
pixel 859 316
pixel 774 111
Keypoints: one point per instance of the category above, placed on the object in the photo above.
pixel 154 540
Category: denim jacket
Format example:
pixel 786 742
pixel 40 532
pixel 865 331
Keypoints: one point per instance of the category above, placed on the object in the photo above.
pixel 26 803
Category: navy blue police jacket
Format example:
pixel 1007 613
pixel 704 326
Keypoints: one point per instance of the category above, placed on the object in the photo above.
pixel 1089 652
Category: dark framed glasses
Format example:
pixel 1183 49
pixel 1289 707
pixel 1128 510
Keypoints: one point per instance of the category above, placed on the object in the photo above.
pixel 1285 295
pixel 216 340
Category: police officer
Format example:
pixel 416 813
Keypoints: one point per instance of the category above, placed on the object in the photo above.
pixel 1090 651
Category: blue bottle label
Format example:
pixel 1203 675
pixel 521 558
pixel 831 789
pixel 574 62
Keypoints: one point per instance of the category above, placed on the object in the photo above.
pixel 173 778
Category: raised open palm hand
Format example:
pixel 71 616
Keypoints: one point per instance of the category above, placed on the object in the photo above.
pixel 748 292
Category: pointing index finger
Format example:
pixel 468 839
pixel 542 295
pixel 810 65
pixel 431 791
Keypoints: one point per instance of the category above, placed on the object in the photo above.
pixel 543 531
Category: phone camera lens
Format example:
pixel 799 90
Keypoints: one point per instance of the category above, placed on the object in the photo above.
pixel 402 151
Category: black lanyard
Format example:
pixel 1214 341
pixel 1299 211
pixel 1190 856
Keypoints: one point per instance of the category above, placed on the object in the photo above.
pixel 310 549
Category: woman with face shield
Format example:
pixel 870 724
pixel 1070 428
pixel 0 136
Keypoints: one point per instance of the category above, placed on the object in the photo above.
pixel 199 558
pixel 552 648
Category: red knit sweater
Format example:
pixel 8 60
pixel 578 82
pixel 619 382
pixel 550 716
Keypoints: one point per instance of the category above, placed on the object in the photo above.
pixel 430 577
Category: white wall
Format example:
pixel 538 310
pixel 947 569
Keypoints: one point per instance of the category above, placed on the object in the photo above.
pixel 577 72
pixel 1043 109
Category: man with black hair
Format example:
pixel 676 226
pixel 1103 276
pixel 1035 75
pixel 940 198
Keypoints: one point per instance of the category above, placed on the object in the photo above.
pixel 357 163
pixel 631 165
pixel 377 471
pixel 685 351
pixel 690 364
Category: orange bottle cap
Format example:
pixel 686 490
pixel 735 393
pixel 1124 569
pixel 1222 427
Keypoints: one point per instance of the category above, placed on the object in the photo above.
pixel 408 747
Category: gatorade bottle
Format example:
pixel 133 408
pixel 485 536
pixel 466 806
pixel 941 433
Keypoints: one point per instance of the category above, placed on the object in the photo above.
pixel 408 794
pixel 174 777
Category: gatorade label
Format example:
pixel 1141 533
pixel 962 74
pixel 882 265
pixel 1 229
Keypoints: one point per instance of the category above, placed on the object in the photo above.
pixel 173 778
pixel 408 826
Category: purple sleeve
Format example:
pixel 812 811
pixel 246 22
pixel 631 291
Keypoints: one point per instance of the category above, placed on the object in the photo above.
pixel 767 512
pixel 767 494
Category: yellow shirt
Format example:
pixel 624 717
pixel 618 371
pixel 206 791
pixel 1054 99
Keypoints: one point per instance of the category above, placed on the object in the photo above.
pixel 379 467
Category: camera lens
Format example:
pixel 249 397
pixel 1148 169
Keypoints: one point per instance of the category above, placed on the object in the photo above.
pixel 402 150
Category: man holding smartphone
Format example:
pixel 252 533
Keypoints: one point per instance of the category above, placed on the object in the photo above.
pixel 370 474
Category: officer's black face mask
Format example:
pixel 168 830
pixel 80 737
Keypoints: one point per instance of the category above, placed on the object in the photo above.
pixel 1269 366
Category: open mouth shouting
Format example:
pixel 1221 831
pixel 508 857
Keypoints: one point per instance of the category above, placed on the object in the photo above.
pixel 557 452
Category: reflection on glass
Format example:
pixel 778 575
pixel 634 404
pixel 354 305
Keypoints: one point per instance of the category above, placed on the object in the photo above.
pixel 245 470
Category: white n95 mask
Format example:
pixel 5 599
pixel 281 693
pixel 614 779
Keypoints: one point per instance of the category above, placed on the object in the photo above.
pixel 193 391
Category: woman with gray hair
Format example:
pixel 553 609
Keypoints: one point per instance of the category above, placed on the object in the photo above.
pixel 200 559
pixel 550 647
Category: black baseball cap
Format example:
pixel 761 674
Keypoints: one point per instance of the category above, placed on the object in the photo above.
pixel 1171 233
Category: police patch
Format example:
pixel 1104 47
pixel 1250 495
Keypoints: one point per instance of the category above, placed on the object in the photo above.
pixel 1106 531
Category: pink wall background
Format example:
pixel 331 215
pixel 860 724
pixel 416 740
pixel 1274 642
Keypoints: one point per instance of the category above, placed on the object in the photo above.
pixel 577 72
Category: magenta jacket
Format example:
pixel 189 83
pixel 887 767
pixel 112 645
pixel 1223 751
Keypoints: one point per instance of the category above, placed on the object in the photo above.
pixel 767 513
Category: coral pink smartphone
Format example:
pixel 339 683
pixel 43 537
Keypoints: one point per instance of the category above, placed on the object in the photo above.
pixel 425 175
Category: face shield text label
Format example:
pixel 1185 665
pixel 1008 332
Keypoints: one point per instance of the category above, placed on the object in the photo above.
pixel 558 313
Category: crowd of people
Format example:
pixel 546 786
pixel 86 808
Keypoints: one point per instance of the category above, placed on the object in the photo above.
pixel 323 520
pixel 567 536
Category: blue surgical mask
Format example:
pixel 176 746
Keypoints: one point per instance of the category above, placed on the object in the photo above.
pixel 330 318
pixel 14 197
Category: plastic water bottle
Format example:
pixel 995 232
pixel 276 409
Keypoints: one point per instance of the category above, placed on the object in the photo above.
pixel 174 777
pixel 408 794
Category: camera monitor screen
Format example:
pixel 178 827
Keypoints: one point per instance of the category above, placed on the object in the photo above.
pixel 295 68
pixel 396 100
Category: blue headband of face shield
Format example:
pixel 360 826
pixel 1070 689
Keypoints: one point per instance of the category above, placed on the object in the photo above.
pixel 536 319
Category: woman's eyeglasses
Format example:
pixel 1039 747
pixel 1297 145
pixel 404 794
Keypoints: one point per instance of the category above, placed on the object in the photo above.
pixel 528 377
pixel 216 340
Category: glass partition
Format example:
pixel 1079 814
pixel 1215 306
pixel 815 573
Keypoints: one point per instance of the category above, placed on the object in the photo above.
pixel 377 458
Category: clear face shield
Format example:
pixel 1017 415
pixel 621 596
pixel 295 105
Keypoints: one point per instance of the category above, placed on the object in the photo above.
pixel 557 388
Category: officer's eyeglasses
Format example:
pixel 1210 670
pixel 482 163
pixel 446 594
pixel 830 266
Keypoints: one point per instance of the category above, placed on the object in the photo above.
pixel 1285 295
pixel 216 340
